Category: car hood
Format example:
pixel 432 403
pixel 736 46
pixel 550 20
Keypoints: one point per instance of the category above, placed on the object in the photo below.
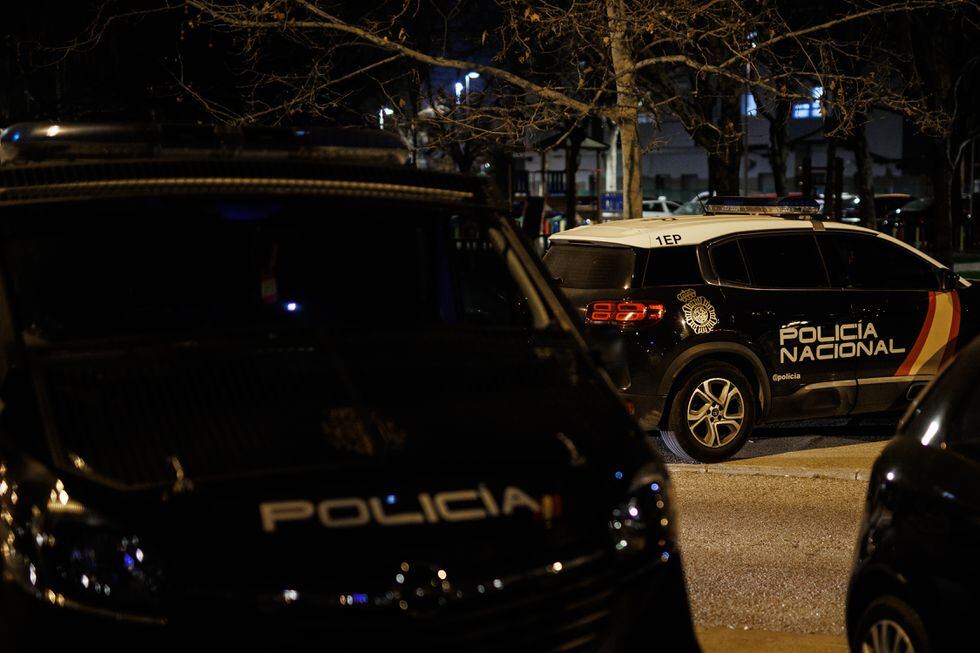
pixel 136 416
pixel 328 464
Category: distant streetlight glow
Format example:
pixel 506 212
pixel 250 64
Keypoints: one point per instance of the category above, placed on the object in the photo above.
pixel 469 76
pixel 459 91
pixel 382 112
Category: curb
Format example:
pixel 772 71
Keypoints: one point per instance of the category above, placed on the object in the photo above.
pixel 730 469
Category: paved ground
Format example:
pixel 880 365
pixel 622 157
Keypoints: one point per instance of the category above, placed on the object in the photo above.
pixel 725 640
pixel 768 555
pixel 811 434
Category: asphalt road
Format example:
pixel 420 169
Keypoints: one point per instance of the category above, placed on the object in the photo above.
pixel 768 553
pixel 810 434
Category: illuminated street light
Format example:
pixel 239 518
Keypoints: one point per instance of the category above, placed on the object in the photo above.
pixel 459 91
pixel 382 112
pixel 469 76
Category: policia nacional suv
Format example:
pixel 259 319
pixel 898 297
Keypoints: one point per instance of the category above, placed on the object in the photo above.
pixel 753 313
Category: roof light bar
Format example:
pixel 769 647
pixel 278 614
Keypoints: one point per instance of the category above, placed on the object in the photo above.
pixel 781 206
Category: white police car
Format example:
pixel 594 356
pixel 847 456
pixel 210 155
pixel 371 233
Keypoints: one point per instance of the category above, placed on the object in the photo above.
pixel 754 313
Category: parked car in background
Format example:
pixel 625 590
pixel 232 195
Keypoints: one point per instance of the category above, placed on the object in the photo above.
pixel 884 204
pixel 658 208
pixel 915 585
pixel 914 222
pixel 693 206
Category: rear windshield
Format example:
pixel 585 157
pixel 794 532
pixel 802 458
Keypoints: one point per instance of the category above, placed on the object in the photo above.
pixel 131 267
pixel 590 266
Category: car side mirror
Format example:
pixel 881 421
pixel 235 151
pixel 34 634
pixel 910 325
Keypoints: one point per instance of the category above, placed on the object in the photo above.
pixel 949 280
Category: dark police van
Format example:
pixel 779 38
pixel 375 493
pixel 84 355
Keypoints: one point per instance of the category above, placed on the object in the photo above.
pixel 754 314
pixel 261 386
pixel 916 581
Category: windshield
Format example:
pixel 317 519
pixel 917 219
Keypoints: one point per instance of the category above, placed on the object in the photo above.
pixel 131 267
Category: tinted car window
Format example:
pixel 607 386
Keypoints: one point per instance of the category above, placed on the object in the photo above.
pixel 129 267
pixel 728 263
pixel 869 262
pixel 590 266
pixel 673 266
pixel 784 261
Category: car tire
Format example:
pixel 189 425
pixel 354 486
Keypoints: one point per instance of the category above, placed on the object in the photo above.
pixel 884 619
pixel 711 415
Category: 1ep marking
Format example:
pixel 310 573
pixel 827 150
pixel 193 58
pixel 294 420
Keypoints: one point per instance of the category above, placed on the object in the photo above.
pixel 669 239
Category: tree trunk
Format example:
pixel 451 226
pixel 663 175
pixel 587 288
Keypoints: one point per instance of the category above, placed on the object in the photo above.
pixel 863 177
pixel 626 108
pixel 502 166
pixel 726 144
pixel 956 207
pixel 573 146
pixel 942 227
pixel 778 145
pixel 723 172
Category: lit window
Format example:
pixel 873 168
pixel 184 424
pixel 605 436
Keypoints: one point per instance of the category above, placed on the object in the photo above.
pixel 809 109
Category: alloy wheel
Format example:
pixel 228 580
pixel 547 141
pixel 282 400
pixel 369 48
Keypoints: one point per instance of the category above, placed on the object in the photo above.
pixel 887 636
pixel 715 412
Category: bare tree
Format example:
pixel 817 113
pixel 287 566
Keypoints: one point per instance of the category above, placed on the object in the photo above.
pixel 552 63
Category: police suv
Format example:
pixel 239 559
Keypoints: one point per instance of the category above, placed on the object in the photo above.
pixel 756 313
pixel 267 388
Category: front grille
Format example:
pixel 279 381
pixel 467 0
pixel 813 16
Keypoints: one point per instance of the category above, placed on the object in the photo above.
pixel 572 614
pixel 568 612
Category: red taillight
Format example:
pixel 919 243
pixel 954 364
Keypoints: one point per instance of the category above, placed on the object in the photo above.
pixel 624 312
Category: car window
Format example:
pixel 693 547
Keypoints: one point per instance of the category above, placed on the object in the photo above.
pixel 131 267
pixel 873 263
pixel 784 261
pixel 590 266
pixel 673 266
pixel 728 263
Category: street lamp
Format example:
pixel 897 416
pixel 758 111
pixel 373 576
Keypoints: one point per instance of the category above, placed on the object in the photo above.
pixel 459 91
pixel 469 76
pixel 382 112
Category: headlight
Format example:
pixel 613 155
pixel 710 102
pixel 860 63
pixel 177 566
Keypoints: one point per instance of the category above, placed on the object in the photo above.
pixel 83 558
pixel 645 521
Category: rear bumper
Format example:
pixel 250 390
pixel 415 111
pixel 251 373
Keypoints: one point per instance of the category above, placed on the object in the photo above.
pixel 643 609
pixel 648 409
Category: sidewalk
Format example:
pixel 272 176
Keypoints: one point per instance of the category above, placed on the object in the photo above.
pixel 728 640
pixel 849 462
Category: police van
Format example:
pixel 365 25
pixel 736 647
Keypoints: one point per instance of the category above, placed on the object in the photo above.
pixel 757 312
pixel 232 419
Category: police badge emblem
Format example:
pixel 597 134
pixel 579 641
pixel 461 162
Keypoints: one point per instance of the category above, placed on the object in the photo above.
pixel 699 314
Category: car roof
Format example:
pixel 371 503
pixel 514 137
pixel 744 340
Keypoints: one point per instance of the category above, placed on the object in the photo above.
pixel 43 162
pixel 693 230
